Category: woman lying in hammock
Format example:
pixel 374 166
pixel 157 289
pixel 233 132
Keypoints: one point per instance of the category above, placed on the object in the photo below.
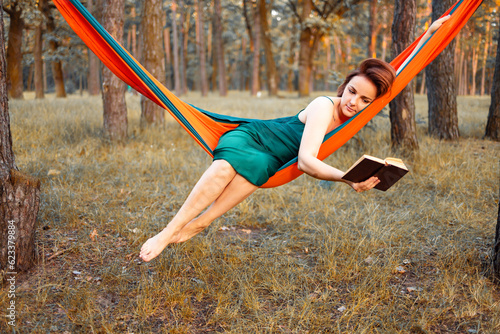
pixel 247 156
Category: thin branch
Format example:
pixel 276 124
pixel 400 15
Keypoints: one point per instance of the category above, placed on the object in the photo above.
pixel 8 11
pixel 293 7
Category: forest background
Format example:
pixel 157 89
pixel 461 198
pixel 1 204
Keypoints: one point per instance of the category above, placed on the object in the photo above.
pixel 263 45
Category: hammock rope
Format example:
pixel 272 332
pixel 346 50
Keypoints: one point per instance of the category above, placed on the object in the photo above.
pixel 206 127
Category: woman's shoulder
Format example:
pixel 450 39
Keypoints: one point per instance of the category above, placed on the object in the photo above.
pixel 322 104
pixel 332 99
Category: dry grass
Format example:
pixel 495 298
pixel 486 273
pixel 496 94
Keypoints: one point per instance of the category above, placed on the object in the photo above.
pixel 307 257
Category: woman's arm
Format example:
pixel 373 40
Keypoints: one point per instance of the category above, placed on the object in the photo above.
pixel 434 26
pixel 319 116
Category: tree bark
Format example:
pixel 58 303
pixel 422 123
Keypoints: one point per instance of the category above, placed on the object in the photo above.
pixel 328 62
pixel 93 79
pixel 306 51
pixel 372 41
pixel 291 57
pixel 493 124
pixel 152 58
pixel 14 52
pixel 474 70
pixel 133 34
pixel 57 71
pixel 175 51
pixel 272 82
pixel 113 89
pixel 256 54
pixel 200 47
pixel 168 57
pixel 219 48
pixel 212 52
pixel 485 57
pixel 19 194
pixel 38 60
pixel 402 108
pixel 185 25
pixel 243 64
pixel 441 88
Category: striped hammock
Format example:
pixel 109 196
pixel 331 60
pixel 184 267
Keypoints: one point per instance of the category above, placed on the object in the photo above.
pixel 206 127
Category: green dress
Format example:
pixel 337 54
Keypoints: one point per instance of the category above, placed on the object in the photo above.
pixel 258 149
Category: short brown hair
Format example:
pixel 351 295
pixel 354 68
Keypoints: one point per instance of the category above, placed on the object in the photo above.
pixel 379 72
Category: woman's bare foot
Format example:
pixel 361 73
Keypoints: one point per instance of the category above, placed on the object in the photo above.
pixel 155 245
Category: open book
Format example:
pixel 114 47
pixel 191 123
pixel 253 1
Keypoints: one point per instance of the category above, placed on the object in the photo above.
pixel 389 171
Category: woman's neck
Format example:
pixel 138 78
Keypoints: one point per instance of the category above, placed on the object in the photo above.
pixel 340 115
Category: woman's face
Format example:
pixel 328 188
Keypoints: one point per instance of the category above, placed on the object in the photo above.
pixel 358 94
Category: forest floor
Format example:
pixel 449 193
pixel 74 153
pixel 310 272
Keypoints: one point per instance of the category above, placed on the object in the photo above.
pixel 307 257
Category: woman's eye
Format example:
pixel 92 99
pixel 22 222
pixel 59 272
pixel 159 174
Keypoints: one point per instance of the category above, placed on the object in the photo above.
pixel 366 101
pixel 351 91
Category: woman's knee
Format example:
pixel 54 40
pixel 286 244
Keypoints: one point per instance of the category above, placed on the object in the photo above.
pixel 222 169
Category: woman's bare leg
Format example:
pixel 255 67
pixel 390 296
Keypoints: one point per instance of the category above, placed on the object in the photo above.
pixel 210 186
pixel 235 193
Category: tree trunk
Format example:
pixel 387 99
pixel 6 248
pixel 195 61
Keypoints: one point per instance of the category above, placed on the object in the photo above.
pixel 213 56
pixel 465 78
pixel 57 71
pixel 133 34
pixel 493 124
pixel 422 86
pixel 93 80
pixel 384 47
pixel 14 53
pixel 256 54
pixel 200 47
pixel 459 70
pixel 474 70
pixel 243 64
pixel 168 57
pixel 175 51
pixel 339 55
pixel 485 57
pixel 186 22
pixel 113 89
pixel 441 88
pixel 291 57
pixel 272 82
pixel 152 58
pixel 219 48
pixel 305 52
pixel 38 60
pixel 328 63
pixel 402 108
pixel 19 194
pixel 372 41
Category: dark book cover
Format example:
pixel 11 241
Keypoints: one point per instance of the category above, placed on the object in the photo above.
pixel 388 171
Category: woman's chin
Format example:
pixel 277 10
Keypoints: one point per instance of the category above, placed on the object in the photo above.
pixel 346 114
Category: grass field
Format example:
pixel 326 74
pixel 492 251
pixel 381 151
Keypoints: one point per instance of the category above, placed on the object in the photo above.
pixel 307 257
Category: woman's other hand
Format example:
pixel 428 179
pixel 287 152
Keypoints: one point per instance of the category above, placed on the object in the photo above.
pixel 365 185
pixel 438 23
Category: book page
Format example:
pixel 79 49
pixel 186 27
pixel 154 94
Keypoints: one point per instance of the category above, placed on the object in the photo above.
pixel 396 162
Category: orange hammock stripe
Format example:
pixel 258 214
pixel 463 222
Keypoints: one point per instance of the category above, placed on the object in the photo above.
pixel 206 128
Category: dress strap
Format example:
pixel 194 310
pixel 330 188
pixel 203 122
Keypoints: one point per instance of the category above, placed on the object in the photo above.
pixel 329 99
